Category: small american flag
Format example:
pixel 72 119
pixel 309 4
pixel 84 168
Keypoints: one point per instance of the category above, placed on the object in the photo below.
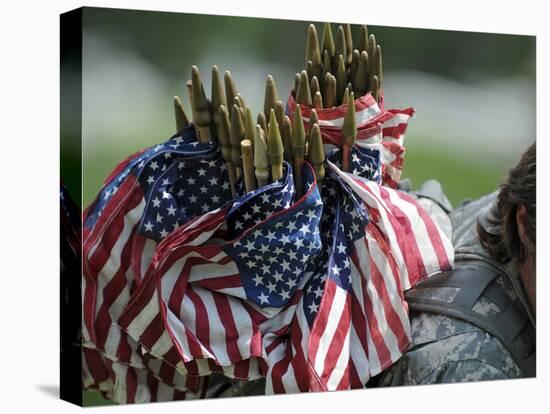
pixel 310 297
pixel 210 296
pixel 352 321
pixel 146 197
pixel 376 126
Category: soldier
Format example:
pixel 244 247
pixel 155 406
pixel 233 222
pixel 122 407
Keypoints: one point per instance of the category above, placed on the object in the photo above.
pixel 477 321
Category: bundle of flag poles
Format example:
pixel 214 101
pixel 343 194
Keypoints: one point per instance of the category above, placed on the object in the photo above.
pixel 248 246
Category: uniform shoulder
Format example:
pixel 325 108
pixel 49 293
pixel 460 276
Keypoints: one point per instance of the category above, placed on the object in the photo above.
pixel 446 349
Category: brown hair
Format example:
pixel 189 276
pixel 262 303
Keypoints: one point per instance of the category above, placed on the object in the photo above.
pixel 500 236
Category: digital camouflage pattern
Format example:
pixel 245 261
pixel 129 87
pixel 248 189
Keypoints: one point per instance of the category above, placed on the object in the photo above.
pixel 446 349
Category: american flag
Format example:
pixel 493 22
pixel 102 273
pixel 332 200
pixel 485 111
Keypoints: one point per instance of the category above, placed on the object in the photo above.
pixel 352 321
pixel 209 298
pixel 376 126
pixel 146 197
pixel 311 297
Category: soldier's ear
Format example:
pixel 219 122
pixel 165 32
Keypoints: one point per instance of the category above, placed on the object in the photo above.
pixel 521 221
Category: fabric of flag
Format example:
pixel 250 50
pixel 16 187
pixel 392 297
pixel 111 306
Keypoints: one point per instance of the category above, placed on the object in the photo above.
pixel 375 125
pixel 146 197
pixel 209 300
pixel 247 308
pixel 352 321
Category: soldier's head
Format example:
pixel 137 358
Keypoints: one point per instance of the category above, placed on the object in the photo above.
pixel 511 233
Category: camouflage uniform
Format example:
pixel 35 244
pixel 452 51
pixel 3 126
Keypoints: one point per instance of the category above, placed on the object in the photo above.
pixel 448 349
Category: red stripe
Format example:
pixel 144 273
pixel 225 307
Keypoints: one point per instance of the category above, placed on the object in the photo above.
pixel 152 332
pixel 137 252
pixel 321 320
pixel 166 373
pixel 141 297
pixel 242 369
pixel 122 165
pixel 222 282
pixel 355 380
pixel 337 342
pixel 279 369
pixel 112 290
pixel 231 333
pixel 433 232
pixel 391 316
pixel 131 385
pixel 152 385
pixel 404 234
pixel 202 324
pixel 96 366
pixel 345 382
pixel 124 351
pixel 299 362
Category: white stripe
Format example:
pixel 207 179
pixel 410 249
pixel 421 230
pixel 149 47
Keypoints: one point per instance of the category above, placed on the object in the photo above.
pixel 359 357
pixel 289 380
pixel 275 356
pixel 229 370
pixel 203 367
pixel 420 231
pixel 393 291
pixel 147 255
pixel 165 392
pixel 180 381
pixel 143 394
pixel 237 292
pixel 243 324
pixel 381 262
pixel 361 117
pixel 278 321
pixel 217 333
pixel 254 369
pixel 112 342
pixel 333 319
pixel 383 223
pixel 144 318
pixel 119 387
pixel 178 330
pixel 341 364
pixel 189 317
pixel 396 119
pixel 377 303
pixel 213 269
pixel 164 343
pixel 112 265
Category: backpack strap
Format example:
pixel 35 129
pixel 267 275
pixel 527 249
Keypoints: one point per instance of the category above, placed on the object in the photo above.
pixel 473 279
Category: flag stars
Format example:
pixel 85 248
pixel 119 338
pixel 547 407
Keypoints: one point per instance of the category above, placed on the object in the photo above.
pixel 163 233
pixel 154 165
pixel 148 226
pixel 156 202
pixel 258 280
pixel 313 307
pixel 202 172
pixel 263 298
pixel 171 211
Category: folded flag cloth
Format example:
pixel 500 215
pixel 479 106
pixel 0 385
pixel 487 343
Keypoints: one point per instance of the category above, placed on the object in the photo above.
pixel 308 296
pixel 384 128
pixel 208 299
pixel 146 197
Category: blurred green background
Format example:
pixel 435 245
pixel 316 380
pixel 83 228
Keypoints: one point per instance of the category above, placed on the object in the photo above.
pixel 474 93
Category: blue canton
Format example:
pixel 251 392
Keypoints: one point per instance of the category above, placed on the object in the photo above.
pixel 258 205
pixel 180 179
pixel 365 162
pixel 272 256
